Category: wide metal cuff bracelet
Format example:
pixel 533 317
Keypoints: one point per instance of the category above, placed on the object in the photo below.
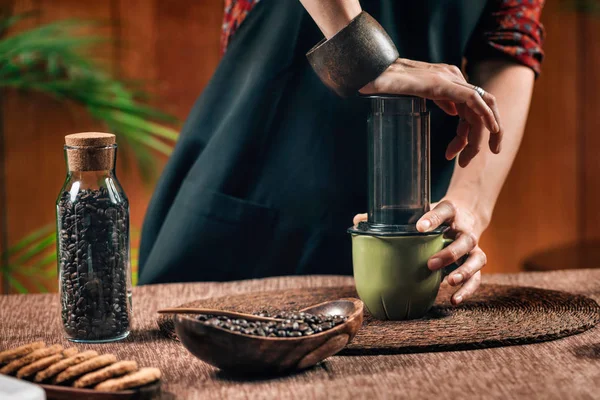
pixel 354 56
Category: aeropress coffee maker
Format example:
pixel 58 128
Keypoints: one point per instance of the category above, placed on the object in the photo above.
pixel 389 254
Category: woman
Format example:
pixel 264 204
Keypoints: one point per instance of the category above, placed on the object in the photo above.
pixel 270 166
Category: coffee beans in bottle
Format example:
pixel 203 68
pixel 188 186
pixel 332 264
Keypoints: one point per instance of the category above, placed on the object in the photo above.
pixel 92 213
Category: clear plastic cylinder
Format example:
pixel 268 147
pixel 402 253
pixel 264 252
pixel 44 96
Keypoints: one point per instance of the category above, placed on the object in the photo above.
pixel 398 156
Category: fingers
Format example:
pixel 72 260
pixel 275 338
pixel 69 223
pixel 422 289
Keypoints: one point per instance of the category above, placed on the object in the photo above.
pixel 467 289
pixel 359 218
pixel 496 134
pixel 459 142
pixel 477 104
pixel 473 147
pixel 475 136
pixel 475 262
pixel 462 132
pixel 495 141
pixel 447 106
pixel 444 211
pixel 446 86
pixel 464 243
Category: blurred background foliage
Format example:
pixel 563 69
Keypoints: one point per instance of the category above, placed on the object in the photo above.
pixel 60 60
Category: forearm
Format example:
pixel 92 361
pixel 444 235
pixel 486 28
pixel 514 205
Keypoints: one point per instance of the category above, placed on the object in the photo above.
pixel 478 185
pixel 332 15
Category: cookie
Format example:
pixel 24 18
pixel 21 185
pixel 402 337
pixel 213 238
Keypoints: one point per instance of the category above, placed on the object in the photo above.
pixel 117 369
pixel 29 358
pixel 64 364
pixel 71 351
pixel 11 354
pixel 38 365
pixel 135 379
pixel 83 368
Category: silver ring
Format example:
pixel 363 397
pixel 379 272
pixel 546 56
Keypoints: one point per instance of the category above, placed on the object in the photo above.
pixel 479 90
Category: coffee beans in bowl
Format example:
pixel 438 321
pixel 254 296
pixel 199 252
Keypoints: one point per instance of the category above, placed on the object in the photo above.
pixel 268 343
pixel 291 324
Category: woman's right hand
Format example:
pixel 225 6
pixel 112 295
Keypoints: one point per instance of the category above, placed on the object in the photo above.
pixel 448 88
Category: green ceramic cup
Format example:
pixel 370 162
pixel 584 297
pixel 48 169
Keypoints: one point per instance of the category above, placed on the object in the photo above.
pixel 391 274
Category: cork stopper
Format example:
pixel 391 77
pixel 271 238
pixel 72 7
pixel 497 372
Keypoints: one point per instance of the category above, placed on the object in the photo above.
pixel 90 139
pixel 90 151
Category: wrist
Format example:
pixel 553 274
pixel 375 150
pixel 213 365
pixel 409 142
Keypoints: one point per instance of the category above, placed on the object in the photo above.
pixel 356 55
pixel 333 15
pixel 339 21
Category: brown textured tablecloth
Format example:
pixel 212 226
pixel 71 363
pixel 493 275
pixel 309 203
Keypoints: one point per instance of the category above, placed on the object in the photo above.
pixel 562 369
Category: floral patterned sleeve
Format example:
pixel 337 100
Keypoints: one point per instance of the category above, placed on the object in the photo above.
pixel 509 28
pixel 235 13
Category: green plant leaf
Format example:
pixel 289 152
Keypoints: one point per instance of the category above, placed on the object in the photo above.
pixel 30 239
pixel 39 286
pixel 36 244
pixel 142 124
pixel 37 268
pixel 49 273
pixel 11 20
pixel 50 258
pixel 16 284
pixel 64 62
pixel 36 249
pixel 60 60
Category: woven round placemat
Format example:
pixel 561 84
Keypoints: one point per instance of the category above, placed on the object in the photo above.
pixel 497 315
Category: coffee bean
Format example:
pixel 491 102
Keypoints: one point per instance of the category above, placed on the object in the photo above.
pixel 93 252
pixel 290 324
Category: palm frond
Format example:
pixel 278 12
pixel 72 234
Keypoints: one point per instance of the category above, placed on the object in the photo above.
pixel 9 20
pixel 60 60
pixel 29 239
pixel 16 284
pixel 32 261
pixel 57 59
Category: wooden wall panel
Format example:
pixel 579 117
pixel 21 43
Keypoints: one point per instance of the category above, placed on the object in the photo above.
pixel 173 46
pixel 10 126
pixel 549 199
pixel 35 126
pixel 4 285
pixel 538 206
pixel 589 120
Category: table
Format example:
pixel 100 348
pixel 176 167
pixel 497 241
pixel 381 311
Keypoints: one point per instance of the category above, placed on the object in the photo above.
pixel 565 368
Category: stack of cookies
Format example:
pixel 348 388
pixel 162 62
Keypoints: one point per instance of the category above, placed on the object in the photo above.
pixel 87 369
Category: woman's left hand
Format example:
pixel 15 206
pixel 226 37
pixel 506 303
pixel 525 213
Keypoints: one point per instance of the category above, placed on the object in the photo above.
pixel 466 229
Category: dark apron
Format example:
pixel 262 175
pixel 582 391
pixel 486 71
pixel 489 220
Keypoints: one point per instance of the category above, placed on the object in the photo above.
pixel 270 167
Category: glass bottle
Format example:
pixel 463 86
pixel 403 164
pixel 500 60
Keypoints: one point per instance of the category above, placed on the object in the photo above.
pixel 93 251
